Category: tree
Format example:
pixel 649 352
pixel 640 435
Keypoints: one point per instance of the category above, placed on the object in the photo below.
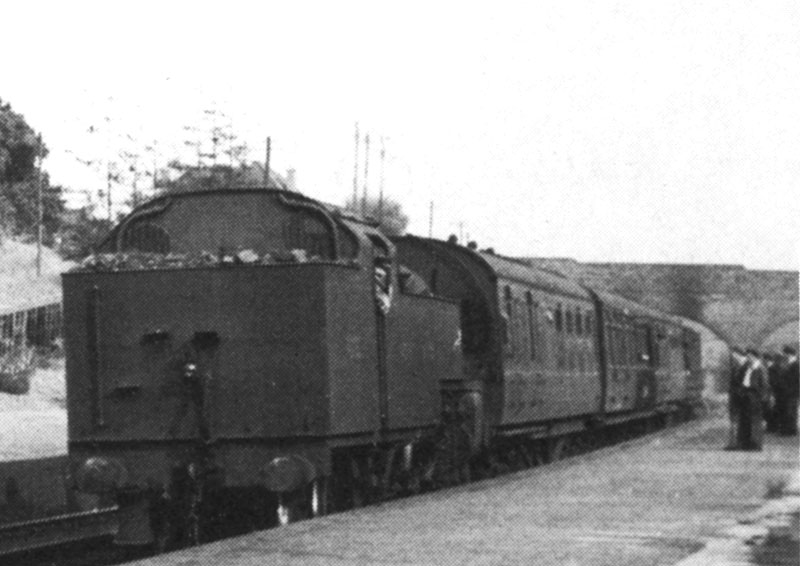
pixel 80 233
pixel 219 158
pixel 181 178
pixel 387 212
pixel 20 147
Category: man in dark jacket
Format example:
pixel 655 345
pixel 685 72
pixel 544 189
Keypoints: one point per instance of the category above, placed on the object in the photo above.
pixel 754 389
pixel 789 393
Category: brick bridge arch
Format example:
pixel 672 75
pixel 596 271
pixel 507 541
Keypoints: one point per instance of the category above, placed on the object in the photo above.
pixel 781 334
pixel 741 306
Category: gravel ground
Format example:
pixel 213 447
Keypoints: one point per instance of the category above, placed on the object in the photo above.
pixel 35 425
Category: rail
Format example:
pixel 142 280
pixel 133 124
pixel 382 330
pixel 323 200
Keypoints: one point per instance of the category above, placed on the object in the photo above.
pixel 54 531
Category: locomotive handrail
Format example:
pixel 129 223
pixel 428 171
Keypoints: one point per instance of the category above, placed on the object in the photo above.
pixel 153 207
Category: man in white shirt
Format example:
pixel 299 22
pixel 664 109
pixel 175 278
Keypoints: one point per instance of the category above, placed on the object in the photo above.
pixel 738 364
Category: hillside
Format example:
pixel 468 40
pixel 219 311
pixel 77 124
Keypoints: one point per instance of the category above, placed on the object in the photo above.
pixel 20 287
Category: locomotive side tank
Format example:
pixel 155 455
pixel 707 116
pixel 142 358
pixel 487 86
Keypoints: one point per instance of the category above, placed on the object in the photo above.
pixel 245 339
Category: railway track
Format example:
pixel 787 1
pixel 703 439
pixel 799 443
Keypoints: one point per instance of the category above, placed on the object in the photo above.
pixel 51 532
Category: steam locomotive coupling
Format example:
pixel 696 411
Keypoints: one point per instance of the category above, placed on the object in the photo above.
pixel 249 356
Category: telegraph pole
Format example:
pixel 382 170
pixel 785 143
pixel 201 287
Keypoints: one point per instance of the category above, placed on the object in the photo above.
pixel 107 120
pixel 430 221
pixel 366 175
pixel 108 190
pixel 380 188
pixel 39 208
pixel 135 180
pixel 355 172
pixel 266 163
pixel 155 166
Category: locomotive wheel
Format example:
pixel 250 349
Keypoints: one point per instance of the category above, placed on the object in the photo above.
pixel 163 536
pixel 291 507
pixel 173 528
pixel 359 486
pixel 414 483
pixel 304 503
pixel 465 473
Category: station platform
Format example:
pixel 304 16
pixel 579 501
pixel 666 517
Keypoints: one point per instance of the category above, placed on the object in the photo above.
pixel 33 448
pixel 33 464
pixel 675 497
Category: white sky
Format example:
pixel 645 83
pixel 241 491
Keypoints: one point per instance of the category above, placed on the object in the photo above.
pixel 604 131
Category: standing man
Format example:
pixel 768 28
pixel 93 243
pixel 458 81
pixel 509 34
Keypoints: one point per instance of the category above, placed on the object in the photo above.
pixel 738 365
pixel 753 389
pixel 790 392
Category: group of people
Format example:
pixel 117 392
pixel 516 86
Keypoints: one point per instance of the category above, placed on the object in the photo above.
pixel 764 390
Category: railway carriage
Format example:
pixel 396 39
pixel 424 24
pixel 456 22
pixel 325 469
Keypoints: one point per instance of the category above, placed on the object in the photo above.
pixel 548 358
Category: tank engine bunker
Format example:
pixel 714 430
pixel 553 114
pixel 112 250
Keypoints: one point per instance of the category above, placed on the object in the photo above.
pixel 245 336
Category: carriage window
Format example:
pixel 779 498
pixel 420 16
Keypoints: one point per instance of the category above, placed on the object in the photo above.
pixel 620 354
pixel 531 324
pixel 569 320
pixel 7 327
pixel 633 347
pixel 509 310
pixel 558 317
pixel 613 344
pixel 588 324
pixel 641 344
pixel 578 322
pixel 611 332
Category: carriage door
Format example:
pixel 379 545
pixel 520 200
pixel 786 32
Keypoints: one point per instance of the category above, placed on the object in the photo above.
pixel 647 364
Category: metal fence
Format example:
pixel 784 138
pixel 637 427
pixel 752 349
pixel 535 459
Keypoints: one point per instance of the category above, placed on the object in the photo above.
pixel 38 326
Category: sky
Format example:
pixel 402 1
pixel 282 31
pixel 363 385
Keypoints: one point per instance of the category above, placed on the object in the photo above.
pixel 639 131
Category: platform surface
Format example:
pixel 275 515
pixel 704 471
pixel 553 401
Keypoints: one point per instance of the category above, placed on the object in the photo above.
pixel 34 425
pixel 27 435
pixel 659 500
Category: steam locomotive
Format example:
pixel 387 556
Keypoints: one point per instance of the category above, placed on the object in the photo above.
pixel 250 356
